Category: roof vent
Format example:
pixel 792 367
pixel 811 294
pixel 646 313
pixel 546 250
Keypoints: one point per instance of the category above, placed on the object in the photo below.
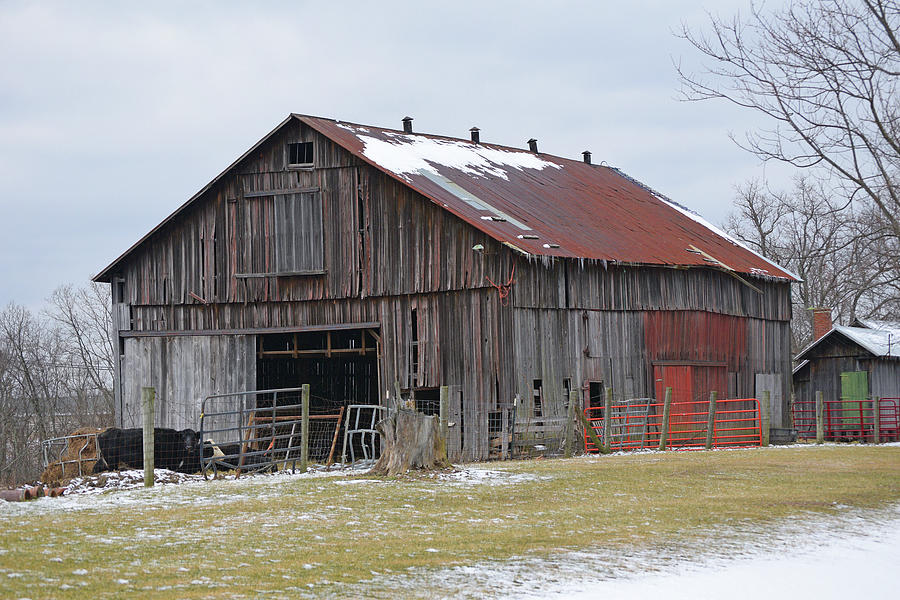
pixel 532 145
pixel 407 124
pixel 475 137
pixel 587 157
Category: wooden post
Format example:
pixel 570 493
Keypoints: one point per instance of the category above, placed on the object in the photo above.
pixel 820 418
pixel 444 412
pixel 607 421
pixel 664 426
pixel 589 430
pixel 764 408
pixel 570 422
pixel 148 398
pixel 711 420
pixel 876 410
pixel 304 427
pixel 396 396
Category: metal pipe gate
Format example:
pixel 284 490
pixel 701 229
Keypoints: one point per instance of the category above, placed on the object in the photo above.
pixel 849 420
pixel 638 425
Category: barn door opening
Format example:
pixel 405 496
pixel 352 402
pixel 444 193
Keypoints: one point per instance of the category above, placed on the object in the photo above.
pixel 340 366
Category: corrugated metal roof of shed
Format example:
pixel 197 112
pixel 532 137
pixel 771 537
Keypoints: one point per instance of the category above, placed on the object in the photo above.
pixel 575 209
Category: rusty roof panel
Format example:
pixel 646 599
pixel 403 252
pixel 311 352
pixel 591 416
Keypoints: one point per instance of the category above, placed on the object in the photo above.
pixel 547 205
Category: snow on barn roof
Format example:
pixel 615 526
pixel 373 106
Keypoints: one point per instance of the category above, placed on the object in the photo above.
pixel 538 204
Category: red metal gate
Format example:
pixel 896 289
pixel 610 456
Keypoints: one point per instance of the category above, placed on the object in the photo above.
pixel 846 420
pixel 634 425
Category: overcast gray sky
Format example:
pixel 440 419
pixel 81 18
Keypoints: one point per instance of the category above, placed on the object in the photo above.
pixel 113 114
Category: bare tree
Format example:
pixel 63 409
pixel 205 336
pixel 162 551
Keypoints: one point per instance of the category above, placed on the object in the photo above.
pixel 83 314
pixel 825 73
pixel 55 375
pixel 846 257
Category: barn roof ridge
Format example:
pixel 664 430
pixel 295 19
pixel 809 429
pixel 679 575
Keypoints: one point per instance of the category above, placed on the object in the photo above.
pixel 540 204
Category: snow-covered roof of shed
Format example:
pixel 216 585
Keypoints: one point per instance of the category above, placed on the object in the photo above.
pixel 877 324
pixel 882 342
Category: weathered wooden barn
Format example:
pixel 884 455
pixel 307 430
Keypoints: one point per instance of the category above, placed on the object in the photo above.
pixel 851 363
pixel 361 259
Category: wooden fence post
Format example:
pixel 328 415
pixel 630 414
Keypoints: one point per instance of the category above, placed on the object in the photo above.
pixel 444 411
pixel 711 420
pixel 664 426
pixel 304 427
pixel 570 422
pixel 876 411
pixel 607 421
pixel 765 406
pixel 396 396
pixel 590 431
pixel 820 418
pixel 148 398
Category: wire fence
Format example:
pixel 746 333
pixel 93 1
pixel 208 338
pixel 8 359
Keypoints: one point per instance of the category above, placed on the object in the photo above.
pixel 250 431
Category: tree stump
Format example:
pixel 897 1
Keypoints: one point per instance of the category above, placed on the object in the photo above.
pixel 411 440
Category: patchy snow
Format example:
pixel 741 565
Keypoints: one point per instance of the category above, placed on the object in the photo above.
pixel 404 154
pixel 469 475
pixel 126 488
pixel 795 558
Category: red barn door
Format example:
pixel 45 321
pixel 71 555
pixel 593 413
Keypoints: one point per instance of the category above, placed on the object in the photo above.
pixel 691 385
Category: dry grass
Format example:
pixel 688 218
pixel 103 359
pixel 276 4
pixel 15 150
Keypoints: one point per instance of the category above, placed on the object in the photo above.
pixel 223 539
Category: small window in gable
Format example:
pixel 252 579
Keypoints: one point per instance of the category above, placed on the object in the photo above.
pixel 300 154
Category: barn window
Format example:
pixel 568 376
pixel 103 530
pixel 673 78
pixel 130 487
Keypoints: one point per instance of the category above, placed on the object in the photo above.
pixel 538 395
pixel 300 154
pixel 299 244
pixel 414 348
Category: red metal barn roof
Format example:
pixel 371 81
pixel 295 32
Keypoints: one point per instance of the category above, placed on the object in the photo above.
pixel 546 205
pixel 540 204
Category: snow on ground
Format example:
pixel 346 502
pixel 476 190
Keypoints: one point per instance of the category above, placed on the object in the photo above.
pixel 853 552
pixel 122 488
pixel 857 564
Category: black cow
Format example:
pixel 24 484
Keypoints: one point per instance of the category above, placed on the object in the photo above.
pixel 173 450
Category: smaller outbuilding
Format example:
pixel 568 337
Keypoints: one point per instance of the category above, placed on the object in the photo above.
pixel 850 366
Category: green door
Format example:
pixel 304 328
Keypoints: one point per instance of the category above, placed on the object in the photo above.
pixel 854 392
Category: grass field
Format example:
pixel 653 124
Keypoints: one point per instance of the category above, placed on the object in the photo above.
pixel 290 536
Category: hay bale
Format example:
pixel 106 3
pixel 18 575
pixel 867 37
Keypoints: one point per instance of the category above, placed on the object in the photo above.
pixel 81 447
pixel 82 440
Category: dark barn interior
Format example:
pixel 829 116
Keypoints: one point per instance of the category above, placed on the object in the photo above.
pixel 340 366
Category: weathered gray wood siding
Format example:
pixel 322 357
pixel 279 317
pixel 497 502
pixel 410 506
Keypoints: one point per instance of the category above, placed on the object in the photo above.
pixel 184 370
pixel 884 378
pixel 386 251
pixel 612 347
